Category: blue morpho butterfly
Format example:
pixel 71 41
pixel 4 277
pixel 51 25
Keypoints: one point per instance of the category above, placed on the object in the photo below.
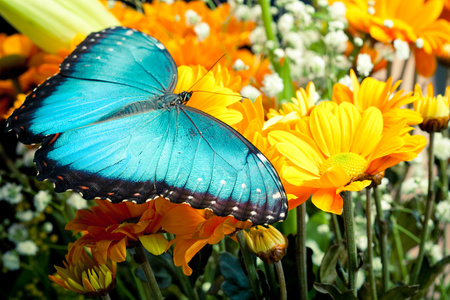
pixel 111 128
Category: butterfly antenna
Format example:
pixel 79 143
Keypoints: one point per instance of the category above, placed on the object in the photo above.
pixel 207 72
pixel 224 94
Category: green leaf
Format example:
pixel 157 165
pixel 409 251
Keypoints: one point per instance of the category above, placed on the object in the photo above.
pixel 333 291
pixel 400 292
pixel 429 274
pixel 236 285
pixel 327 270
pixel 159 265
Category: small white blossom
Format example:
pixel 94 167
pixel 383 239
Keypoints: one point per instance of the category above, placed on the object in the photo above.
pixel 242 13
pixel 347 81
pixel 317 66
pixel 285 23
pixel 336 40
pixel 443 211
pixel 337 10
pixel 255 13
pixel 169 2
pixel 28 158
pixel 192 17
pixel 293 40
pixel 76 201
pixel 25 215
pixel 47 227
pixel 279 53
pixel 21 149
pixel 336 25
pixel 358 41
pixel 322 3
pixel 364 64
pixel 239 65
pixel 11 260
pixel 434 251
pixel 257 49
pixel 270 45
pixel 310 37
pixel 258 35
pixel 41 200
pixel 27 248
pixel 17 233
pixel 371 10
pixel 202 31
pixel 386 201
pixel 376 264
pixel 388 23
pixel 342 62
pixel 272 85
pixel 384 183
pixel 250 92
pixel 401 49
pixel 323 229
pixel 11 193
pixel 441 146
pixel 419 43
pixel 273 10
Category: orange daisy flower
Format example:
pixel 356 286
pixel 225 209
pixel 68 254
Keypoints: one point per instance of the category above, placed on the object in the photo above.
pixel 383 95
pixel 416 22
pixel 335 149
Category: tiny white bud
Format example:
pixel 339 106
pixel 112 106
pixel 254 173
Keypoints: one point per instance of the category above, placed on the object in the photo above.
pixel 202 31
pixel 371 10
pixel 419 43
pixel 364 64
pixel 358 41
pixel 388 23
pixel 192 17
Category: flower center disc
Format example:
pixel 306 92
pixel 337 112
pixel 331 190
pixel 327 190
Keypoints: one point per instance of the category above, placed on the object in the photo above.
pixel 352 163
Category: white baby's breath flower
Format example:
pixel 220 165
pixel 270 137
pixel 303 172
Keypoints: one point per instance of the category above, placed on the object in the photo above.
pixel 239 65
pixel 272 85
pixel 25 215
pixel 401 49
pixel 47 227
pixel 242 13
pixel 337 10
pixel 322 3
pixel 250 92
pixel 443 211
pixel 441 146
pixel 11 193
pixel 336 25
pixel 41 200
pixel 285 23
pixel 76 201
pixel 169 2
pixel 336 40
pixel 310 37
pixel 270 45
pixel 11 260
pixel 27 248
pixel 28 158
pixel 21 149
pixel 364 64
pixel 317 66
pixel 279 53
pixel 347 81
pixel 358 41
pixel 258 35
pixel 192 17
pixel 294 40
pixel 419 43
pixel 434 251
pixel 255 13
pixel 202 31
pixel 17 232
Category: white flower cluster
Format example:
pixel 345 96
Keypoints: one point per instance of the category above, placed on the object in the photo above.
pixel 443 210
pixel 313 41
pixel 441 146
pixel 18 234
pixel 11 193
pixel 201 29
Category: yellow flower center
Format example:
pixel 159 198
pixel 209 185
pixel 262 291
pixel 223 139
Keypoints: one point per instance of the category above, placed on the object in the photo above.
pixel 353 164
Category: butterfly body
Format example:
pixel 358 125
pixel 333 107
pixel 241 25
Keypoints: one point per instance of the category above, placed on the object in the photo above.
pixel 112 128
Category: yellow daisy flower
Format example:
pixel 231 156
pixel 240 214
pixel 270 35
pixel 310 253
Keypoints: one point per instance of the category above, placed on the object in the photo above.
pixel 334 150
pixel 434 110
pixel 382 95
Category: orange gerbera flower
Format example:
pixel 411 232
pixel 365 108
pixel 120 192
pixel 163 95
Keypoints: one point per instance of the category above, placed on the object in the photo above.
pixel 111 228
pixel 194 229
pixel 335 149
pixel 171 24
pixel 383 95
pixel 416 22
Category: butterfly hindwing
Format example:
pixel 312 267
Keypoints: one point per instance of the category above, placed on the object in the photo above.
pixel 179 153
pixel 108 71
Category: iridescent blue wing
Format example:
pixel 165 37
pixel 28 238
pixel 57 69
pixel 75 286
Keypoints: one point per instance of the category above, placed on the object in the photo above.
pixel 179 153
pixel 107 71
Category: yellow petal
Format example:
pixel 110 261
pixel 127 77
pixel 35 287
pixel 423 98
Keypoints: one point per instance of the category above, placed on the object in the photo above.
pixel 154 243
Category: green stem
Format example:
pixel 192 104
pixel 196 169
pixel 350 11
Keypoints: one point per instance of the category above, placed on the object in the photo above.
pixel 428 210
pixel 186 284
pixel 249 265
pixel 106 297
pixel 349 223
pixel 301 252
pixel 369 259
pixel 383 226
pixel 443 179
pixel 281 281
pixel 142 260
pixel 399 248
pixel 16 85
pixel 337 229
pixel 12 167
pixel 388 70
